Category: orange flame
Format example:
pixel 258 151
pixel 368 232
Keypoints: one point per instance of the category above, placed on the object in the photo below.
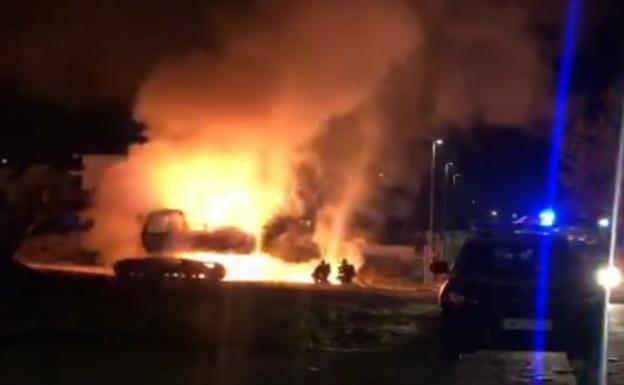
pixel 223 129
pixel 235 188
pixel 258 267
pixel 221 189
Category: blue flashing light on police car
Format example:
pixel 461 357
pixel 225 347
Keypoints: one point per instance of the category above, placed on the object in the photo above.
pixel 547 217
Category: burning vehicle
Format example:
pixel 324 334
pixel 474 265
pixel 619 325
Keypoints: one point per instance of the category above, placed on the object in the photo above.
pixel 290 239
pixel 166 230
pixel 284 249
pixel 157 269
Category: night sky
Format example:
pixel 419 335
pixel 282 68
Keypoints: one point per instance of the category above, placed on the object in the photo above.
pixel 506 169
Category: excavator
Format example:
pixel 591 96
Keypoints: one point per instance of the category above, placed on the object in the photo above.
pixel 166 232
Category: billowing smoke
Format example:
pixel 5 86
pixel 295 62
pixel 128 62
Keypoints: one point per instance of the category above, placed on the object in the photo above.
pixel 307 103
pixel 227 132
pixel 478 64
pixel 261 108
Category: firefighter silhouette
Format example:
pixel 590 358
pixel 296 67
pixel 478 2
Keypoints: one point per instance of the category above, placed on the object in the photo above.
pixel 346 272
pixel 321 272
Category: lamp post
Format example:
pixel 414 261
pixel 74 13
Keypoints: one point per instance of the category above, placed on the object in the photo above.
pixel 613 238
pixel 428 257
pixel 455 177
pixel 455 205
pixel 448 166
pixel 434 146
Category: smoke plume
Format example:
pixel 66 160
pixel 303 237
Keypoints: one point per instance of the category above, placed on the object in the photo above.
pixel 479 65
pixel 225 131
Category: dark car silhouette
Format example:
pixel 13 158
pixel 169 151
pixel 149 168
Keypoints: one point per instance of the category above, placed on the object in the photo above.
pixel 490 299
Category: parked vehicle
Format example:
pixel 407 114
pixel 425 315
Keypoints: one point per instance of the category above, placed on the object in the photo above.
pixel 161 269
pixel 495 288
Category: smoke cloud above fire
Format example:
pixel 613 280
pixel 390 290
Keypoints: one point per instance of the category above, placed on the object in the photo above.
pixel 476 64
pixel 260 108
pixel 256 109
pixel 227 131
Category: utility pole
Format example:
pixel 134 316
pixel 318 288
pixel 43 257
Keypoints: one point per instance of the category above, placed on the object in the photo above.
pixel 430 251
pixel 434 146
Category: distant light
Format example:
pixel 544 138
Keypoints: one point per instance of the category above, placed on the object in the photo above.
pixel 547 217
pixel 4 161
pixel 494 213
pixel 381 174
pixel 474 202
pixel 439 142
pixel 514 215
pixel 75 156
pixel 609 277
pixel 522 219
pixel 603 222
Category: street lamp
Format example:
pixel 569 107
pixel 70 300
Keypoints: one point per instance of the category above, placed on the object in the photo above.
pixel 456 206
pixel 448 166
pixel 613 246
pixel 455 177
pixel 429 255
pixel 434 146
pixel 447 169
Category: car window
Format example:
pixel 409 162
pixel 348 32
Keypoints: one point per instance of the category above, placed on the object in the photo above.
pixel 515 259
pixel 164 223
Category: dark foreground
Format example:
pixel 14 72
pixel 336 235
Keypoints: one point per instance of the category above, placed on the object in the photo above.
pixel 60 328
pixel 91 330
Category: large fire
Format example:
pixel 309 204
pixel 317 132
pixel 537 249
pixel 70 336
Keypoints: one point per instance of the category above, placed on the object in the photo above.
pixel 238 189
pixel 233 190
pixel 259 267
pixel 223 189
pixel 225 129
